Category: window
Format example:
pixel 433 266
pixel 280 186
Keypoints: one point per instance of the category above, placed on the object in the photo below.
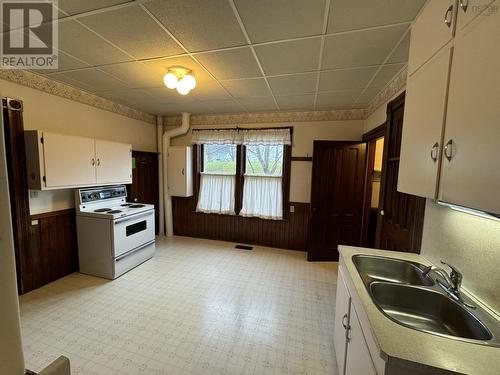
pixel 218 179
pixel 263 189
pixel 243 171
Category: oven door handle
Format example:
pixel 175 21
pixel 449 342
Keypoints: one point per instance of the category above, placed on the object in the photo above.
pixel 129 218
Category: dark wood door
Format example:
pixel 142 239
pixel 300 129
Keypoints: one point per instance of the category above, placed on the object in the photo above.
pixel 401 216
pixel 336 197
pixel 144 188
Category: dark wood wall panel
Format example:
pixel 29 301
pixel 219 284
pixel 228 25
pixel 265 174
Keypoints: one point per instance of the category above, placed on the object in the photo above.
pixel 286 234
pixel 53 249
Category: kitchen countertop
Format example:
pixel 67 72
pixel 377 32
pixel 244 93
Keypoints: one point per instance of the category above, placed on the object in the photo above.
pixel 402 343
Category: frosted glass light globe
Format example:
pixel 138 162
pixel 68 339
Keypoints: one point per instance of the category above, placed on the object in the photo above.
pixel 190 81
pixel 170 80
pixel 183 87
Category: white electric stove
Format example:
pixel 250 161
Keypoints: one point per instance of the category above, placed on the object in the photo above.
pixel 114 235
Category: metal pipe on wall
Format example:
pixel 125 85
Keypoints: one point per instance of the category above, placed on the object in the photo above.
pixel 159 140
pixel 183 129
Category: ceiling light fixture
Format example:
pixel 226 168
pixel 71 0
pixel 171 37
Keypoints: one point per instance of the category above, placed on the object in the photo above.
pixel 180 78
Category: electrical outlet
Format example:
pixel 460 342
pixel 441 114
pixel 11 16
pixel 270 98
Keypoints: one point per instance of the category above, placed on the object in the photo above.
pixel 292 209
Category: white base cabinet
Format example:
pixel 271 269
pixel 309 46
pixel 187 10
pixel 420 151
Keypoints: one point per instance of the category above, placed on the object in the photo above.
pixel 58 161
pixel 351 349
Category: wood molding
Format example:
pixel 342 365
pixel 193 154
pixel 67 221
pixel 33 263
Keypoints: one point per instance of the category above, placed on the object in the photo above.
pixel 302 158
pixel 44 215
pixel 375 133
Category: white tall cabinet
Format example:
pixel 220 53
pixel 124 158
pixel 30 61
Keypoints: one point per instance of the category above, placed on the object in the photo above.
pixel 180 171
pixel 451 126
pixel 58 161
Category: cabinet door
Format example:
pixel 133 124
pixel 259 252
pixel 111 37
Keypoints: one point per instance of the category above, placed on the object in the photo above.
pixel 358 359
pixel 69 161
pixel 114 162
pixel 469 9
pixel 342 306
pixel 470 174
pixel 179 169
pixel 430 32
pixel 424 117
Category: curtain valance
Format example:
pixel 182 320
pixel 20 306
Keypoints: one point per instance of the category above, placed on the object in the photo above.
pixel 247 137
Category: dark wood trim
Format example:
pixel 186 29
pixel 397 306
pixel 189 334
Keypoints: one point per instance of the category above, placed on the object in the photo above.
pixel 144 153
pixel 240 179
pixel 375 133
pixel 370 161
pixel 18 187
pixel 302 158
pixel 286 180
pixel 45 215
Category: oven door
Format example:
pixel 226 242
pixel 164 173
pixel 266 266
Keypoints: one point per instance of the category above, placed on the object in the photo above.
pixel 133 231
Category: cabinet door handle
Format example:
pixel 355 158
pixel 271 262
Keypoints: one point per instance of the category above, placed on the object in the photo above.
pixel 447 18
pixel 344 324
pixel 92 162
pixel 448 150
pixel 434 152
pixel 98 162
pixel 182 172
pixel 464 4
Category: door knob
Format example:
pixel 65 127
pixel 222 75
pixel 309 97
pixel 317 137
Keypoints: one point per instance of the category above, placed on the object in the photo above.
pixel 382 212
pixel 135 199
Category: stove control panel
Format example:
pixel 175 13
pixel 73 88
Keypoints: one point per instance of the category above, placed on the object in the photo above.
pixel 97 194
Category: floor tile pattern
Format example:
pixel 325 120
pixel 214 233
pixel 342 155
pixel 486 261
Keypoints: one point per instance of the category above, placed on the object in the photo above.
pixel 197 307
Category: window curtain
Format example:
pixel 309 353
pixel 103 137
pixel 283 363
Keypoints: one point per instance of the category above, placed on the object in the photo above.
pixel 263 197
pixel 216 194
pixel 216 137
pixel 266 137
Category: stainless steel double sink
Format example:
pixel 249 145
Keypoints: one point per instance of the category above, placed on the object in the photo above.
pixel 408 296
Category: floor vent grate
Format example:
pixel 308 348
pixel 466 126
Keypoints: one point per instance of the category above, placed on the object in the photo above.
pixel 243 247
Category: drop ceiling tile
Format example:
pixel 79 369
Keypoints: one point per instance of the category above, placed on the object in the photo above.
pixel 400 55
pixel 149 40
pixel 385 75
pixel 199 25
pixel 289 57
pixel 209 91
pixel 360 48
pixel 336 100
pixel 80 6
pixel 66 62
pixel 242 88
pixel 337 80
pixel 281 19
pixel 158 68
pixel 293 84
pixel 94 79
pixel 85 45
pixel 135 74
pixel 166 95
pixel 296 102
pixel 258 104
pixel 230 64
pixel 224 106
pixel 195 108
pixel 64 78
pixel 357 14
pixel 367 96
pixel 135 98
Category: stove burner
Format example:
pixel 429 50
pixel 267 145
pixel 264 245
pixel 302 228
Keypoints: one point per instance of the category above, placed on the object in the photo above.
pixel 126 204
pixel 136 206
pixel 102 210
pixel 114 211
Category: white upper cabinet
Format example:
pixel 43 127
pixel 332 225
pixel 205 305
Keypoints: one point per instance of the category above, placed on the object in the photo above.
pixel 433 28
pixel 113 161
pixel 68 160
pixel 179 171
pixel 423 124
pixel 469 9
pixel 57 161
pixel 470 166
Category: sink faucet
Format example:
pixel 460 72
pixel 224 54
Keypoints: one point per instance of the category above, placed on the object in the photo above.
pixel 453 281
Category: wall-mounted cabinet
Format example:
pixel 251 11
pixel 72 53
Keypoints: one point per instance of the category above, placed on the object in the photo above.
pixel 450 135
pixel 57 161
pixel 180 171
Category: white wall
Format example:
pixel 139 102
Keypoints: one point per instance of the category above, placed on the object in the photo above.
pixel 304 133
pixel 56 114
pixel 470 243
pixel 11 353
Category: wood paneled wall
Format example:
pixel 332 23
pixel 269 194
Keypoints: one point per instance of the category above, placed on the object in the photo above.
pixel 287 234
pixel 53 249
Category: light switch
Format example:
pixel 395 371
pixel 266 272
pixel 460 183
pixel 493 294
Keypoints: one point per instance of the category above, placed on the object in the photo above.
pixel 292 209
